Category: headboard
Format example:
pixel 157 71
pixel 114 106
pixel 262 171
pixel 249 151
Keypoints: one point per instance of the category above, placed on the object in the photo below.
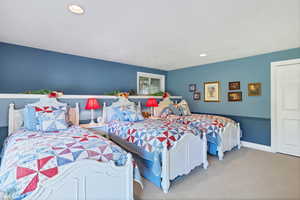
pixel 16 119
pixel 122 101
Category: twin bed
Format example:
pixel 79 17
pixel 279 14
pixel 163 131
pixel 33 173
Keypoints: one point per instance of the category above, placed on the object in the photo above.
pixel 65 164
pixel 170 146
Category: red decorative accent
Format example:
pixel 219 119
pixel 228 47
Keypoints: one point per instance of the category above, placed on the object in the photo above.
pixel 151 102
pixel 50 172
pixel 92 104
pixel 45 109
pixel 53 95
pixel 92 153
pixel 218 124
pixel 32 185
pixel 85 137
pixel 42 162
pixel 130 137
pixel 23 172
pixel 167 138
pixel 165 95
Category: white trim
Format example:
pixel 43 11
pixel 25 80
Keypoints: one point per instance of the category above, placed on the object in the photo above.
pixel 256 146
pixel 274 65
pixel 38 96
pixel 150 75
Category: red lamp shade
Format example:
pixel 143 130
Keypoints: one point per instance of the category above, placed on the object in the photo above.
pixel 151 102
pixel 92 104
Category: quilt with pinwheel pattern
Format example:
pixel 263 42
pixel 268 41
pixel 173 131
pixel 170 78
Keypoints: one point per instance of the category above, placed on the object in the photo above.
pixel 31 158
pixel 211 125
pixel 148 138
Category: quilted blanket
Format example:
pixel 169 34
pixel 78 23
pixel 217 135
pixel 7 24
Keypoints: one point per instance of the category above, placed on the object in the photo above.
pixel 211 125
pixel 32 158
pixel 149 137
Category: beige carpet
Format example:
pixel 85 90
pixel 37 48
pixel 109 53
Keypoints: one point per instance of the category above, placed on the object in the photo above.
pixel 243 174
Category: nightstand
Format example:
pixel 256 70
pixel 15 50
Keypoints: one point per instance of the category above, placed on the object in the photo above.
pixel 97 128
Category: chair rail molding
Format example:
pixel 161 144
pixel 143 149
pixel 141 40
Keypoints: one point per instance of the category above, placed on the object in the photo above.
pixel 37 96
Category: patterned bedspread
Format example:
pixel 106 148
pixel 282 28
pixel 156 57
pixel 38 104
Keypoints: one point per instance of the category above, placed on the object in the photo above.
pixel 32 158
pixel 149 137
pixel 211 125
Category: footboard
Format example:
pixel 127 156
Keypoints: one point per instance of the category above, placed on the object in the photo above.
pixel 188 153
pixel 89 180
pixel 230 138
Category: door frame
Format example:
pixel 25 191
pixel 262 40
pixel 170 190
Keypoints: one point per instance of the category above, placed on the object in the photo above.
pixel 274 66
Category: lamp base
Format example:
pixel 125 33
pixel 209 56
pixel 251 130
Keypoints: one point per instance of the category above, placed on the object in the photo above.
pixel 92 122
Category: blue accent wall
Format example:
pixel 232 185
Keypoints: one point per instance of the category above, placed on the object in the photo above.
pixel 255 130
pixel 254 111
pixel 24 68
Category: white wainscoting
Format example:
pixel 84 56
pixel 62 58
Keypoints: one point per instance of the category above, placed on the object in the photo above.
pixel 256 146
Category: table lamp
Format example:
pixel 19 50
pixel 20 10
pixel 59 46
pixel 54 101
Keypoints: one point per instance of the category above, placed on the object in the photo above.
pixel 151 102
pixel 92 104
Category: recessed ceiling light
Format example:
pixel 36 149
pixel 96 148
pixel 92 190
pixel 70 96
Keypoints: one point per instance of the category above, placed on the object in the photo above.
pixel 76 9
pixel 203 54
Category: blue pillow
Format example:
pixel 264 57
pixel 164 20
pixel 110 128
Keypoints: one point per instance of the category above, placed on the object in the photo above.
pixel 30 120
pixel 52 121
pixel 128 114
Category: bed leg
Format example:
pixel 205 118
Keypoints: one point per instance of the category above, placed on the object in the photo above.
pixel 165 183
pixel 239 135
pixel 220 154
pixel 129 176
pixel 205 161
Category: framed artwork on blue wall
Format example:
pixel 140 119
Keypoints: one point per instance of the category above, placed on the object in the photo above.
pixel 197 96
pixel 212 91
pixel 235 96
pixel 192 87
pixel 236 85
pixel 254 89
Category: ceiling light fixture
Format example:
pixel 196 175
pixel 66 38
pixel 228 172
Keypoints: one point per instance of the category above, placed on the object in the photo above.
pixel 203 54
pixel 76 9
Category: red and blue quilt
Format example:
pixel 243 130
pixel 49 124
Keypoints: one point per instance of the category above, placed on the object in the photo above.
pixel 31 158
pixel 149 137
pixel 211 125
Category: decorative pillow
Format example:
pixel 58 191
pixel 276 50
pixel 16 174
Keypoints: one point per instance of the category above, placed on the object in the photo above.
pixel 126 113
pixel 52 121
pixel 32 113
pixel 183 107
pixel 30 120
pixel 171 109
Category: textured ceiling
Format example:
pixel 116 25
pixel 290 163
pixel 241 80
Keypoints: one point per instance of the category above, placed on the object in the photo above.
pixel 162 34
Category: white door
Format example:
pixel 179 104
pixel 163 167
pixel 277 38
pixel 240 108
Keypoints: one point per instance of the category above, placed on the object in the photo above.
pixel 287 87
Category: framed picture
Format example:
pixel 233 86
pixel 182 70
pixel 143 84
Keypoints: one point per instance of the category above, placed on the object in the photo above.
pixel 235 96
pixel 212 91
pixel 254 89
pixel 197 96
pixel 236 85
pixel 192 87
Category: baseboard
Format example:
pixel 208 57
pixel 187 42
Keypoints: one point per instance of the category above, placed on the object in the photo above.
pixel 256 146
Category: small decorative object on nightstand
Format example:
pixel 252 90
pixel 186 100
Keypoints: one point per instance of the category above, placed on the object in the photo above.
pixel 151 102
pixel 92 104
pixel 97 128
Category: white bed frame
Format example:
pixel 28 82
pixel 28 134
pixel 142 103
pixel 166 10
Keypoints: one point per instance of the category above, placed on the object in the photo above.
pixel 232 131
pixel 189 152
pixel 84 179
pixel 233 139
